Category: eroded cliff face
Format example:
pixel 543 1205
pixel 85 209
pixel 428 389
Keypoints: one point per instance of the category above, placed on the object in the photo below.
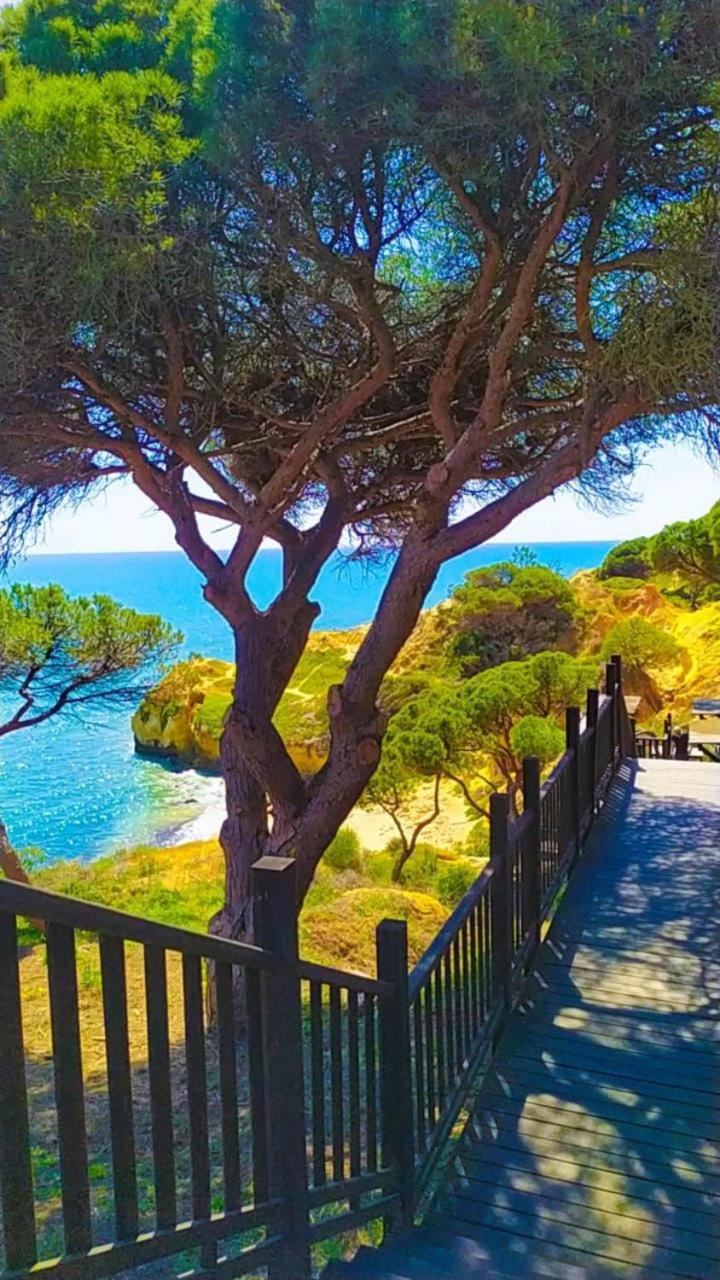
pixel 695 673
pixel 181 719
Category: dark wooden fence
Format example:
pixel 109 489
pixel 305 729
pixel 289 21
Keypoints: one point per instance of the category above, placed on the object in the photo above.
pixel 326 1112
pixel 464 986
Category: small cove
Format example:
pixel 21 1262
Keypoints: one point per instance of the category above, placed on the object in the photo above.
pixel 76 789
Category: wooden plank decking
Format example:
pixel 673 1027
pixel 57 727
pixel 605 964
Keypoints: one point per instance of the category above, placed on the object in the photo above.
pixel 593 1150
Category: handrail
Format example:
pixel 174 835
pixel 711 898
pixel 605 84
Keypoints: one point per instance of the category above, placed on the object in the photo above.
pixel 343 978
pixel 558 769
pixel 427 963
pixel 353 1083
pixel 76 913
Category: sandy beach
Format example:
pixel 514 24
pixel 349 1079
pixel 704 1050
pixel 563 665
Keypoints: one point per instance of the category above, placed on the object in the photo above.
pixel 373 826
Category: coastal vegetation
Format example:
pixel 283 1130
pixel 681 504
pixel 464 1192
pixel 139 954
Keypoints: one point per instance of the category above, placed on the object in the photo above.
pixel 456 733
pixel 63 656
pixel 389 273
pixel 462 716
pixel 683 559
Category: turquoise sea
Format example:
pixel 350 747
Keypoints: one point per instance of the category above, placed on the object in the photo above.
pixel 76 788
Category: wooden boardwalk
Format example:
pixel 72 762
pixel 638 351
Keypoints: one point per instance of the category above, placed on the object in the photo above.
pixel 593 1150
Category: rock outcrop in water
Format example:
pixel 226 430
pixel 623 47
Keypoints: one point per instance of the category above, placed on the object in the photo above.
pixel 181 719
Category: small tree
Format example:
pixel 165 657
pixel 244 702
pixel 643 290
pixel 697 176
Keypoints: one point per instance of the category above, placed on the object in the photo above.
pixel 689 550
pixel 60 655
pixel 513 710
pixel 629 560
pixel 509 611
pixel 421 744
pixel 640 644
pixel 392 272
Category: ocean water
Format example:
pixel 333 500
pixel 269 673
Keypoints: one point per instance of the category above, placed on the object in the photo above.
pixel 76 789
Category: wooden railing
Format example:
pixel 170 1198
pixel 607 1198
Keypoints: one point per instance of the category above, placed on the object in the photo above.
pixel 464 986
pixel 238 1150
pixel 264 1141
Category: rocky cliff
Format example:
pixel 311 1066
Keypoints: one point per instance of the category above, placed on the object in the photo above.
pixel 181 719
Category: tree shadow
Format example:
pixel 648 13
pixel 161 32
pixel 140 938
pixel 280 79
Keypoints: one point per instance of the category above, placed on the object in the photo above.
pixel 596 1136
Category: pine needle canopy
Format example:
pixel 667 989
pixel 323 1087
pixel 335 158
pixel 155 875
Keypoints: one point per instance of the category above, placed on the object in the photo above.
pixel 306 267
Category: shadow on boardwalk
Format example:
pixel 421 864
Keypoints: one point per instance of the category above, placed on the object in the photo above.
pixel 595 1142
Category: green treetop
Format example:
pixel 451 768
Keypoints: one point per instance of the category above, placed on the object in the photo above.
pixel 60 655
pixel 640 644
pixel 515 710
pixel 508 611
pixel 689 550
pixel 396 270
pixel 476 736
pixel 628 560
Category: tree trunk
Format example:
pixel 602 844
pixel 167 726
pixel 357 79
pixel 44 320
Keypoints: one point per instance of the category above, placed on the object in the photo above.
pixel 255 765
pixel 244 834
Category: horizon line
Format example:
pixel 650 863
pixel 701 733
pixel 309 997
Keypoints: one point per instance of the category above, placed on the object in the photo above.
pixel 176 551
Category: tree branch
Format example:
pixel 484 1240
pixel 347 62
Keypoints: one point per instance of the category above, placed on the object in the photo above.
pixel 561 466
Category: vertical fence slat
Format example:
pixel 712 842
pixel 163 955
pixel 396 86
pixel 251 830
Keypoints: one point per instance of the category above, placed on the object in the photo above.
pixel 16 1180
pixel 227 1069
pixel 430 1060
pixel 117 1051
pixel 354 1083
pixel 371 1085
pixel 572 742
pixel 196 1085
pixel 395 1058
pixel 439 1037
pixel 69 1089
pixel 501 896
pixel 592 715
pixel 274 902
pixel 475 1014
pixel 317 1077
pixel 458 1003
pixel 466 986
pixel 156 1002
pixel 256 1082
pixel 449 1011
pixel 419 1065
pixel 531 875
pixel 336 1086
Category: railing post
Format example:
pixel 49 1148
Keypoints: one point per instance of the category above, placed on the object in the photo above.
pixel 531 883
pixel 501 898
pixel 617 662
pixel 610 687
pixel 619 703
pixel 592 715
pixel 572 743
pixel 395 1066
pixel 274 892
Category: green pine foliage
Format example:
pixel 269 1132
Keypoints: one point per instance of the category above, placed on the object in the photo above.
pixel 508 611
pixel 59 653
pixel 683 559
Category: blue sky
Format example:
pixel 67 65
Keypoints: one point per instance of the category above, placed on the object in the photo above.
pixel 674 484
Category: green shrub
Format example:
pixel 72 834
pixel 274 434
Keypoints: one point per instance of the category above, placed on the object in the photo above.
pixel 640 644
pixel 630 559
pixel 477 843
pixel 420 870
pixel 344 852
pixel 378 867
pixel 454 881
